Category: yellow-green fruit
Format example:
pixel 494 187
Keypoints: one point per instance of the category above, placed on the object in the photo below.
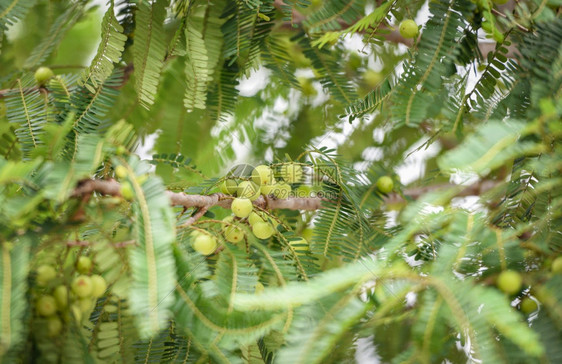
pixel 509 281
pixel 121 172
pixel 256 217
pixel 241 207
pixel 76 311
pixel 82 286
pixel 127 191
pixel 120 150
pixel 46 305
pixel 303 191
pixel 408 28
pixel 262 230
pixel 233 234
pixel 249 190
pixel 259 288
pixel 43 74
pixel 85 304
pixel 299 245
pixel 45 274
pixel 372 78
pixel 500 2
pixel 557 265
pixel 61 297
pixel 263 175
pixel 54 326
pixel 229 187
pixel 385 184
pixel 84 265
pixel 267 189
pixel 528 305
pixel 205 244
pixel 291 172
pixel 282 190
pixel 99 285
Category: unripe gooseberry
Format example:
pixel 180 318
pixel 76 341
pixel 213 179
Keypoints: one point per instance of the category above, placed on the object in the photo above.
pixel 127 191
pixel 85 304
pixel 259 288
pixel 121 172
pixel 233 234
pixel 43 74
pixel 263 175
pixel 281 190
pixel 262 230
pixel 61 296
pixel 291 172
pixel 84 265
pixel 82 286
pixel 249 190
pixel 509 281
pixel 241 207
pixel 54 326
pixel 46 305
pixel 99 285
pixel 45 274
pixel 229 187
pixel 299 245
pixel 372 78
pixel 256 217
pixel 408 28
pixel 557 265
pixel 528 305
pixel 385 184
pixel 205 244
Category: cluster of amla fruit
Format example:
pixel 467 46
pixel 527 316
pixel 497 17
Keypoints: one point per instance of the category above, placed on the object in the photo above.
pixel 56 302
pixel 263 181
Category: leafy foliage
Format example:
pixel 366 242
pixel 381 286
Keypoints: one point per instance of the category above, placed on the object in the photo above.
pixel 97 264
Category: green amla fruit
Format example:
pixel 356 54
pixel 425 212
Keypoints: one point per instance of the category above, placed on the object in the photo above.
pixel 82 286
pixel 557 266
pixel 291 172
pixel 99 285
pixel 121 172
pixel 372 78
pixel 233 233
pixel 45 274
pixel 241 207
pixel 528 305
pixel 262 230
pixel 509 281
pixel 61 296
pixel 205 244
pixel 249 190
pixel 300 244
pixel 127 191
pixel 54 326
pixel 43 74
pixel 281 190
pixel 84 265
pixel 408 28
pixel 385 184
pixel 263 175
pixel 229 187
pixel 46 305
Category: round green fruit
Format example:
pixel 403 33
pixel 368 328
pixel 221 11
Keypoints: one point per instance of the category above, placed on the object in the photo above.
pixel 249 190
pixel 54 326
pixel 121 172
pixel 528 305
pixel 82 286
pixel 291 172
pixel 281 190
pixel 408 28
pixel 509 281
pixel 557 265
pixel 229 187
pixel 303 191
pixel 256 217
pixel 99 285
pixel 61 296
pixel 84 265
pixel 263 175
pixel 85 304
pixel 45 274
pixel 385 184
pixel 262 230
pixel 307 234
pixel 127 191
pixel 241 207
pixel 43 74
pixel 372 78
pixel 76 312
pixel 259 288
pixel 46 305
pixel 233 234
pixel 267 189
pixel 205 244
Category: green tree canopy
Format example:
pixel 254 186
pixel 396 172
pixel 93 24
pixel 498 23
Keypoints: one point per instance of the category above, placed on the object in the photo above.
pixel 288 181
